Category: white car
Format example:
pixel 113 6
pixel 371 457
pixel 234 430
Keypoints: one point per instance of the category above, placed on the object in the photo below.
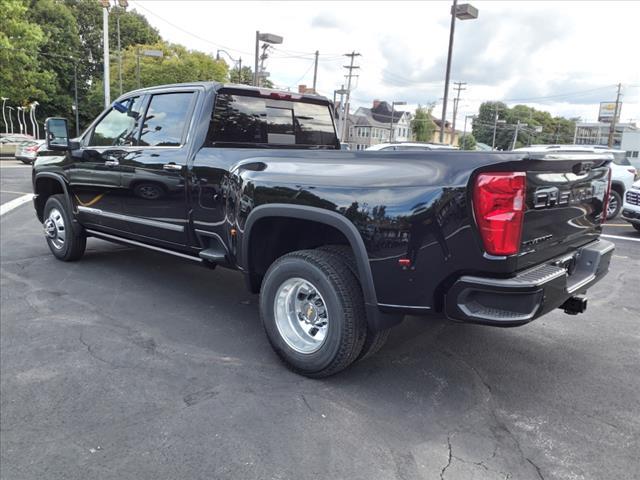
pixel 410 146
pixel 631 206
pixel 623 173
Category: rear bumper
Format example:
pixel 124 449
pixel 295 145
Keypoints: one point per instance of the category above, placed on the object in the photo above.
pixel 518 300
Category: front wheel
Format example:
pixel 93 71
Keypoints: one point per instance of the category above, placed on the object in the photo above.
pixel 614 205
pixel 64 242
pixel 636 226
pixel 312 310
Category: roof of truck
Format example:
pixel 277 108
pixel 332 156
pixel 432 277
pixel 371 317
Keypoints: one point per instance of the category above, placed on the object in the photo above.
pixel 236 86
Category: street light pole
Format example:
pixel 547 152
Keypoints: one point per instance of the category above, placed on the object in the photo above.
pixel 19 121
pixel 34 122
pixel 4 118
pixel 75 98
pixel 267 38
pixel 255 64
pixel 105 43
pixel 463 12
pixel 10 118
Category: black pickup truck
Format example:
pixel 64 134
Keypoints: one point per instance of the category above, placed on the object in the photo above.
pixel 341 245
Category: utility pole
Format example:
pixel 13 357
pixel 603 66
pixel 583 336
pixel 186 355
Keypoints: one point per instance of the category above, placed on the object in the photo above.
pixel 448 72
pixel 456 103
pixel 315 72
pixel 263 57
pixel 612 128
pixel 240 70
pixel 350 75
pixel 515 135
pixel 495 127
pixel 105 44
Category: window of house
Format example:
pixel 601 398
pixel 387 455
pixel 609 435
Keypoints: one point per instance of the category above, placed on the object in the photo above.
pixel 119 127
pixel 166 119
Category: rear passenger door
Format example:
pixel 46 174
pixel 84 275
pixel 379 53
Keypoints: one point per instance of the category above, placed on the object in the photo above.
pixel 154 178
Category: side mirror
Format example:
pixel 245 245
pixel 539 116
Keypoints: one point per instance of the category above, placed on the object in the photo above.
pixel 57 134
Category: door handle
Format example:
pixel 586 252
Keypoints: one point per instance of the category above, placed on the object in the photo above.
pixel 112 162
pixel 172 167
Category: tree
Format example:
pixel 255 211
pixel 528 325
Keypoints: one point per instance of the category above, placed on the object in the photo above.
pixel 467 142
pixel 134 29
pixel 21 77
pixel 554 129
pixel 422 125
pixel 58 54
pixel 243 78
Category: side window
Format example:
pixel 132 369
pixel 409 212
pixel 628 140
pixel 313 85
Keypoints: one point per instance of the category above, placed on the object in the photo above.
pixel 166 118
pixel 119 126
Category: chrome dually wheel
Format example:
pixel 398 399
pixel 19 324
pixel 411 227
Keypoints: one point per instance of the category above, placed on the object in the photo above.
pixel 301 315
pixel 54 228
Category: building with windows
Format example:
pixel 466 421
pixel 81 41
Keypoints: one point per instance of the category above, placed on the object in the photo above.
pixel 597 133
pixel 370 126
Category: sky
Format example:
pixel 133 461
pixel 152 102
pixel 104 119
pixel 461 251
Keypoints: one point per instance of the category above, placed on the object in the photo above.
pixel 563 57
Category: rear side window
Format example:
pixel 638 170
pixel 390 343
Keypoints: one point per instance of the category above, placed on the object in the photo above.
pixel 257 121
pixel 119 126
pixel 166 119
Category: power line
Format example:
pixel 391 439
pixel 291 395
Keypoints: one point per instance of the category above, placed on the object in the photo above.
pixel 206 40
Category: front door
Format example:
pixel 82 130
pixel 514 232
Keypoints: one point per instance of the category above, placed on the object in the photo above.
pixel 95 176
pixel 153 177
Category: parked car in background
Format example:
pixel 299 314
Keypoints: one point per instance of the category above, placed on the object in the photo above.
pixel 623 174
pixel 27 152
pixel 9 143
pixel 410 146
pixel 631 206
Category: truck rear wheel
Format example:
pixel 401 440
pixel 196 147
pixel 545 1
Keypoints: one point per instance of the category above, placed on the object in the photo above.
pixel 312 310
pixel 64 242
pixel 374 341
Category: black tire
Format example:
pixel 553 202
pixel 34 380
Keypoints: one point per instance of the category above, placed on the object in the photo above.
pixel 340 290
pixel 614 197
pixel 636 226
pixel 26 162
pixel 75 241
pixel 374 341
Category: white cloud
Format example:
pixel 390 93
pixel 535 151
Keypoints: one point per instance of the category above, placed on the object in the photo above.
pixel 571 53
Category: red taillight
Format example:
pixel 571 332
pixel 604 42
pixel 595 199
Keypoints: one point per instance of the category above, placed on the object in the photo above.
pixel 33 148
pixel 605 202
pixel 498 204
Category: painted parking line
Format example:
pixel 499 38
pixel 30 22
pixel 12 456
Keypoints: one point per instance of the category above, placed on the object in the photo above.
pixel 14 193
pixel 618 237
pixel 15 203
pixel 3 165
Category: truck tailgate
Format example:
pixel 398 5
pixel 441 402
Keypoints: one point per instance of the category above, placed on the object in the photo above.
pixel 565 201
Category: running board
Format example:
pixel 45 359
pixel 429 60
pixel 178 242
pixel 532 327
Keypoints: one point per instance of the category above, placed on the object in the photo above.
pixel 116 239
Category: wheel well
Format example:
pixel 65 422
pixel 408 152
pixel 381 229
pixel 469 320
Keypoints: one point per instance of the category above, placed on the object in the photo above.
pixel 618 187
pixel 44 188
pixel 272 237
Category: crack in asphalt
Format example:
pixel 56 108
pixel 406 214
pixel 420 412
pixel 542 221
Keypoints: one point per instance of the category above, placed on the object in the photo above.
pixel 450 457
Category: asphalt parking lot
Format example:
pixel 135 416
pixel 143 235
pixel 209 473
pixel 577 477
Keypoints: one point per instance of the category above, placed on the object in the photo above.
pixel 133 365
